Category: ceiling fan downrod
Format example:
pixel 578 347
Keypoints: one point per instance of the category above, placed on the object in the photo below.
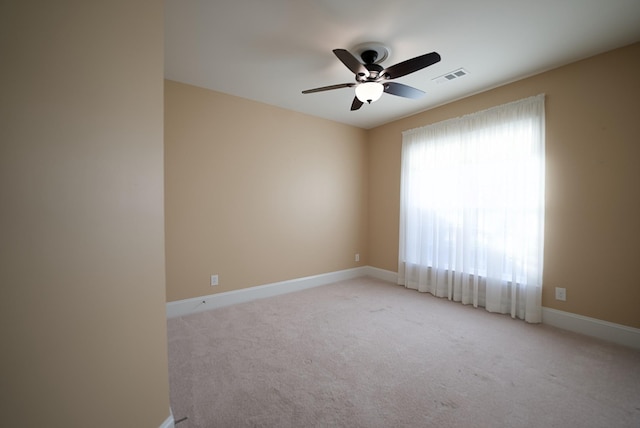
pixel 369 56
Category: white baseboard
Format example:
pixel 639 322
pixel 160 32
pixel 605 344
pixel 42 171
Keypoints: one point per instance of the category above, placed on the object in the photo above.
pixel 169 422
pixel 385 275
pixel 611 332
pixel 199 304
pixel 604 330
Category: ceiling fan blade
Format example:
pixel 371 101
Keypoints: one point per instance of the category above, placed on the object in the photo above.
pixel 328 88
pixel 356 104
pixel 409 66
pixel 401 90
pixel 351 62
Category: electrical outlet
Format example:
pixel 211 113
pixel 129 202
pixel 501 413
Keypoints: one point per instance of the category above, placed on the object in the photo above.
pixel 357 257
pixel 561 294
pixel 214 280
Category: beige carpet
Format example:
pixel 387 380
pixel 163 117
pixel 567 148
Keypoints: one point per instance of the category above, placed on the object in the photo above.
pixel 366 353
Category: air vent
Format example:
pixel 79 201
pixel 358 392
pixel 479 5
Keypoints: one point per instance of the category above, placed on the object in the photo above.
pixel 456 74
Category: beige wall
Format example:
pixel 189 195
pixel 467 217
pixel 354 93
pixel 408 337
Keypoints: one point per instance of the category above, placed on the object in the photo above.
pixel 592 232
pixel 257 194
pixel 81 249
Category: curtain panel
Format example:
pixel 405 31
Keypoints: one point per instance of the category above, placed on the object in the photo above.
pixel 472 209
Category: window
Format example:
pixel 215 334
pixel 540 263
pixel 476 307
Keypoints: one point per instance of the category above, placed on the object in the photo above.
pixel 472 209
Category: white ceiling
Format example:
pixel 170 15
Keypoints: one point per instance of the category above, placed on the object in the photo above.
pixel 271 50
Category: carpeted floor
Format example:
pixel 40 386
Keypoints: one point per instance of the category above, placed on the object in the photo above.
pixel 367 353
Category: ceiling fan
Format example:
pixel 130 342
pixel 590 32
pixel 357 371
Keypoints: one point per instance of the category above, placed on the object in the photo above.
pixel 372 79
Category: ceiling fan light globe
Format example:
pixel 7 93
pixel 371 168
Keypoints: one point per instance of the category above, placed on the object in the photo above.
pixel 369 92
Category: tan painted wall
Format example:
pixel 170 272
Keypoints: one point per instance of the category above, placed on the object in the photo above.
pixel 82 299
pixel 592 230
pixel 257 194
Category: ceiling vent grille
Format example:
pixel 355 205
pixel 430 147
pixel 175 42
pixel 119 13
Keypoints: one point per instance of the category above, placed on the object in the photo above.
pixel 456 74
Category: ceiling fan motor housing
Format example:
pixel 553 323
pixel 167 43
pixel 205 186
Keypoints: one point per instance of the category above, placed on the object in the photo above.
pixel 369 57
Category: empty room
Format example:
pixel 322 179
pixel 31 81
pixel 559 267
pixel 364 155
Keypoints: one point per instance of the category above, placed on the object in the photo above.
pixel 320 213
pixel 270 190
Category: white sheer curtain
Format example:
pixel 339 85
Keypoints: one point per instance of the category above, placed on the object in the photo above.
pixel 472 209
